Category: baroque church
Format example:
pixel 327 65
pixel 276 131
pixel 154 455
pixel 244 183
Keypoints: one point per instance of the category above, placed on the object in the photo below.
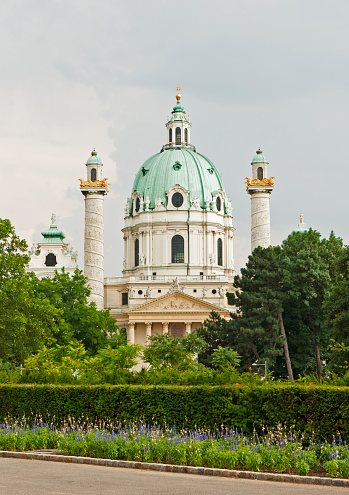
pixel 178 238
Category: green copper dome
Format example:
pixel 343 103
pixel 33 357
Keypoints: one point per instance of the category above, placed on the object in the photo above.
pixel 52 236
pixel 259 157
pixel 182 166
pixel 94 158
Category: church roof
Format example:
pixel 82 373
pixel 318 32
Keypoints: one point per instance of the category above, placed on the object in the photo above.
pixel 52 236
pixel 259 157
pixel 94 158
pixel 182 166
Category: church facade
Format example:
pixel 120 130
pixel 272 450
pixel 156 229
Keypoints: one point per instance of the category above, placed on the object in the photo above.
pixel 178 237
pixel 178 242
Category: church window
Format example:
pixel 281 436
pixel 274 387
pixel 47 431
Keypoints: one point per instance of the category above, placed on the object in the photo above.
pixel 260 173
pixel 137 252
pixel 220 252
pixel 186 136
pixel 138 203
pixel 218 203
pixel 93 175
pixel 177 200
pixel 124 297
pixel 170 135
pixel 177 245
pixel 178 135
pixel 51 260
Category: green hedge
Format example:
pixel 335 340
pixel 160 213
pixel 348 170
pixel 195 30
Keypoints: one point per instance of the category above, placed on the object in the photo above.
pixel 319 409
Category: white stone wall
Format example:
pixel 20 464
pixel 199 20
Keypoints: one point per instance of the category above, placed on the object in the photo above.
pixel 260 219
pixel 94 247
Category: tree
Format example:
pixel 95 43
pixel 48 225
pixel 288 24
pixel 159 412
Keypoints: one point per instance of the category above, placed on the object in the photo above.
pixel 216 332
pixel 80 319
pixel 27 322
pixel 225 359
pixel 260 300
pixel 165 351
pixel 308 273
pixel 336 313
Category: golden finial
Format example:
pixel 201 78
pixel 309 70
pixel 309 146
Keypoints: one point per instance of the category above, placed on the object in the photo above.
pixel 178 96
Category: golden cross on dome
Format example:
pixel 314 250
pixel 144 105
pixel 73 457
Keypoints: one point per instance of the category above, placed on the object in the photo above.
pixel 178 96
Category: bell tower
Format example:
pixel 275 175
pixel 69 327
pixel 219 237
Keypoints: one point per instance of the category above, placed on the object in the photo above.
pixel 94 189
pixel 260 188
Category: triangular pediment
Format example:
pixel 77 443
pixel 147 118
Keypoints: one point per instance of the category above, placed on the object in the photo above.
pixel 177 302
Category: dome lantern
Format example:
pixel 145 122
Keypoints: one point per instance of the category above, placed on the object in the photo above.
pixel 178 127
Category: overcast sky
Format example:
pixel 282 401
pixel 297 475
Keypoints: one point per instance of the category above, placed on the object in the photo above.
pixel 80 74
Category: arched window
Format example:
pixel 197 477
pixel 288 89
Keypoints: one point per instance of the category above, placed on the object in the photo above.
pixel 260 173
pixel 178 135
pixel 93 174
pixel 220 252
pixel 186 136
pixel 170 135
pixel 137 252
pixel 51 260
pixel 177 248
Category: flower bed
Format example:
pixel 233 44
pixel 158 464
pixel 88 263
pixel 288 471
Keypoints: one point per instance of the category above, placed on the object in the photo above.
pixel 276 451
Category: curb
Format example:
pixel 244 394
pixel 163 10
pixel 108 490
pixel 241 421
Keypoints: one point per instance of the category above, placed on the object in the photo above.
pixel 172 468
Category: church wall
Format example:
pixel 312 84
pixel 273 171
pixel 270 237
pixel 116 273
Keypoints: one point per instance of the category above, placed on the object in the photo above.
pixel 140 337
pixel 156 328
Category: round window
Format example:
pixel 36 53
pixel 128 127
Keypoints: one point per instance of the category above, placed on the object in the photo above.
pixel 218 203
pixel 137 205
pixel 140 292
pixel 177 200
pixel 214 291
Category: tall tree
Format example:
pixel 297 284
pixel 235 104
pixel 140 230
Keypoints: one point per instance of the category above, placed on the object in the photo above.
pixel 260 301
pixel 336 312
pixel 307 272
pixel 27 322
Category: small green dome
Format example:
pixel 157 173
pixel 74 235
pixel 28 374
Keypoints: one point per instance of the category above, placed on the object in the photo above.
pixel 94 158
pixel 259 157
pixel 178 113
pixel 52 236
pixel 182 166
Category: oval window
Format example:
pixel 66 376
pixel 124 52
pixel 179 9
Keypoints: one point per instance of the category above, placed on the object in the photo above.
pixel 137 205
pixel 218 203
pixel 177 200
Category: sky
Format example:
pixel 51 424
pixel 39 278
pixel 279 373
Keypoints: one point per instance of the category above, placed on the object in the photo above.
pixel 84 74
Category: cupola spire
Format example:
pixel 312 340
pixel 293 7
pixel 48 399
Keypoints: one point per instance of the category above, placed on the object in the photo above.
pixel 178 126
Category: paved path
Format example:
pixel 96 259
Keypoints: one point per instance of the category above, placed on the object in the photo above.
pixel 32 477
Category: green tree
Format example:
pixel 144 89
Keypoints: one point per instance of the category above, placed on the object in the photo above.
pixel 216 332
pixel 308 274
pixel 80 319
pixel 27 322
pixel 225 359
pixel 336 313
pixel 165 351
pixel 260 299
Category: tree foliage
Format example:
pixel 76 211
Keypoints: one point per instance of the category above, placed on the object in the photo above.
pixel 80 320
pixel 27 321
pixel 165 351
pixel 279 304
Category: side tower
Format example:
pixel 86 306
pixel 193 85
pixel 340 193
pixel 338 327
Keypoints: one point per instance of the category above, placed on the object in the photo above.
pixel 260 188
pixel 94 189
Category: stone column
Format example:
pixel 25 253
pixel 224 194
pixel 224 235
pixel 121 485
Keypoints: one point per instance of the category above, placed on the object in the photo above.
pixel 131 333
pixel 260 219
pixel 165 327
pixel 94 246
pixel 188 327
pixel 148 325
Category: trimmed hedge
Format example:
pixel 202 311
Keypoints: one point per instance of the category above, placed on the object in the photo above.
pixel 323 410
